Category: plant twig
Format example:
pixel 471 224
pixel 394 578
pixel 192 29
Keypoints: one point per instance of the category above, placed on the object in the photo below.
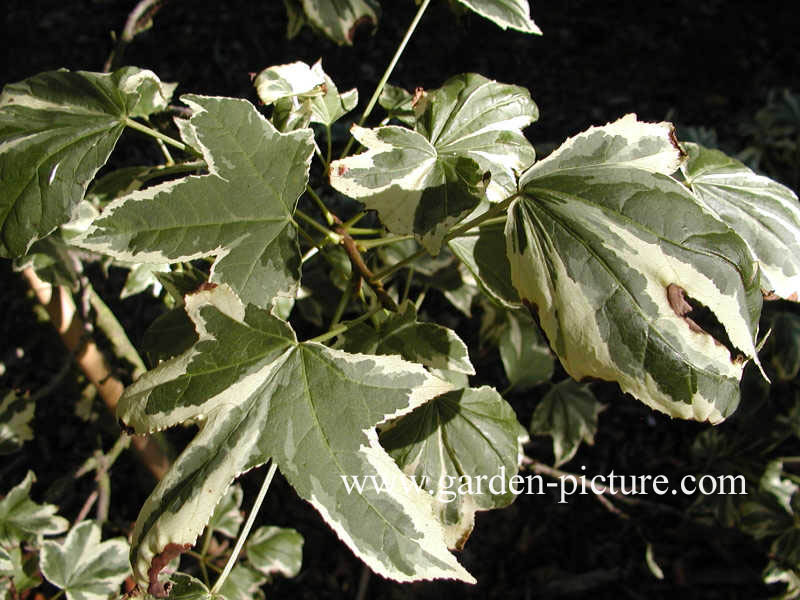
pixel 388 72
pixel 357 261
pixel 246 529
pixel 64 317
pixel 140 19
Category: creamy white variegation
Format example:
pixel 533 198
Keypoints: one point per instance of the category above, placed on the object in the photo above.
pixel 288 81
pixel 763 212
pixel 85 567
pixel 598 241
pixel 241 212
pixel 467 134
pixel 505 13
pixel 57 129
pixel 311 409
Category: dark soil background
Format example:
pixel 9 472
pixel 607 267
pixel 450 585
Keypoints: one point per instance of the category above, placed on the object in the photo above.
pixel 697 63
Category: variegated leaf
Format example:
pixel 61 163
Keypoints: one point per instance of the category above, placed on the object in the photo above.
pixel 413 188
pixel 430 344
pixel 56 130
pixel 339 19
pixel 525 355
pixel 473 116
pixel 398 103
pixel 243 583
pixel 614 255
pixel 227 517
pixel 83 566
pixel 462 448
pixel 425 181
pixel 275 550
pixel 568 413
pixel 23 519
pixel 311 409
pixel 763 212
pixel 505 13
pixel 289 81
pixel 16 414
pixel 295 108
pixel 241 212
pixel 484 254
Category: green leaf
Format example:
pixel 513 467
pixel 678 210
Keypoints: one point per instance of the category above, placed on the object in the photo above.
pixel 425 181
pixel 243 583
pixel 6 563
pixel 763 212
pixel 51 260
pixel 16 414
pixel 484 255
pixel 568 413
pixel 169 335
pixel 275 550
pixel 185 587
pixel 612 253
pixel 505 13
pixel 82 566
pixel 56 130
pixel 462 448
pixel 430 344
pixel 413 188
pixel 241 212
pixel 773 483
pixel 331 105
pixel 140 277
pixel 398 103
pixel 23 573
pixel 525 355
pixel 227 517
pixel 23 519
pixel 303 95
pixel 309 408
pixel 339 19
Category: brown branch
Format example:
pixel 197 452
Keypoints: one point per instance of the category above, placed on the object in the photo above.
pixel 357 261
pixel 65 318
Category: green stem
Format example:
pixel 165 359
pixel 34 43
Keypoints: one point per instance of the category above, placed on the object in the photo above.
pixel 345 298
pixel 353 220
pixel 334 237
pixel 380 275
pixel 407 287
pixel 364 230
pixel 344 327
pixel 153 133
pixel 495 211
pixel 377 93
pixel 329 144
pixel 246 529
pixel 329 218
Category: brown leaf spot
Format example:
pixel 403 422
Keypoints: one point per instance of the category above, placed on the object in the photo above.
pixel 204 287
pixel 155 587
pixel 418 94
pixel 341 170
pixel 677 300
pixel 674 141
